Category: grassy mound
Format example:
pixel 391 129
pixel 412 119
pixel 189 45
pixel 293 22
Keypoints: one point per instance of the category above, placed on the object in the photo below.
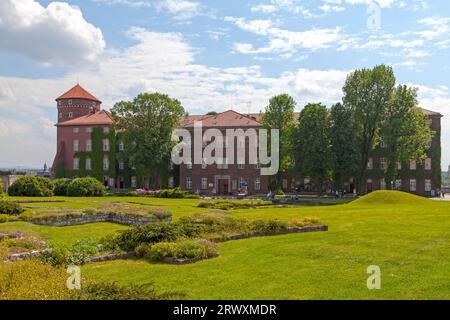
pixel 390 197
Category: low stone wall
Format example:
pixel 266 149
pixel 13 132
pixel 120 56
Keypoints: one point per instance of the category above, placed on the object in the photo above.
pixel 263 234
pixel 111 256
pixel 78 219
pixel 28 255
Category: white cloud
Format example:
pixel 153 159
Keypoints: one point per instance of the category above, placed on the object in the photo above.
pixel 181 9
pixel 56 34
pixel 284 41
pixel 266 8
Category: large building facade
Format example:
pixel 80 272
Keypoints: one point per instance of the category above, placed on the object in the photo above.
pixel 88 145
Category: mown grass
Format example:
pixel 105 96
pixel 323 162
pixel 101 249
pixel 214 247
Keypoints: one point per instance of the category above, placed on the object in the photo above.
pixel 407 236
pixel 410 241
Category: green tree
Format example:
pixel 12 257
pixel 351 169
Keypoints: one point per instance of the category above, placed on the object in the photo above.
pixel 343 145
pixel 313 144
pixel 147 123
pixel 405 133
pixel 279 114
pixel 367 92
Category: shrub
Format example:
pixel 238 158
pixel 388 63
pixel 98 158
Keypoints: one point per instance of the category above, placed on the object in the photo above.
pixel 142 250
pixel 4 218
pixel 85 187
pixel 10 208
pixel 77 254
pixel 161 214
pixel 60 186
pixel 186 249
pixel 31 186
pixel 174 193
pixel 272 225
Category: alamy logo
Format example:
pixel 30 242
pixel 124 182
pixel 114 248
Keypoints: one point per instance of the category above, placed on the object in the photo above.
pixel 374 280
pixel 374 20
pixel 74 280
pixel 208 147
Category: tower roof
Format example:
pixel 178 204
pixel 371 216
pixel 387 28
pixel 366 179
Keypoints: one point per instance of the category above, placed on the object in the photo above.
pixel 102 117
pixel 78 92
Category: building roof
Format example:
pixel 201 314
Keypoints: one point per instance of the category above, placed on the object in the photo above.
pixel 430 113
pixel 78 92
pixel 228 118
pixel 102 117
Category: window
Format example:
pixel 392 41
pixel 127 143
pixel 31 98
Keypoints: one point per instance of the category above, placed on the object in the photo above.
pixel 76 164
pixel 285 183
pixel 222 164
pixel 241 166
pixel 413 165
pixel 257 183
pixel 204 166
pixel 233 184
pixel 59 103
pixel 70 114
pixel 382 142
pixel 189 165
pixel 370 163
pixel 412 185
pixel 105 164
pixel 398 184
pixel 204 183
pixel 93 103
pixel 88 164
pixel 76 146
pixel 427 164
pixel 133 182
pixel 188 183
pixel 383 184
pixel 121 146
pixel 88 129
pixel 89 145
pixel 121 165
pixel 105 129
pixel 105 144
pixel 383 163
pixel 60 115
pixel 170 182
pixel 242 183
pixel 257 166
pixel 70 102
pixel 427 185
pixel 75 130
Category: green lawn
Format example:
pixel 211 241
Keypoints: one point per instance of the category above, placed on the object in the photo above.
pixel 410 241
pixel 406 236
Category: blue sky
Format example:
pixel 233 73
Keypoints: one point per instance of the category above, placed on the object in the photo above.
pixel 211 55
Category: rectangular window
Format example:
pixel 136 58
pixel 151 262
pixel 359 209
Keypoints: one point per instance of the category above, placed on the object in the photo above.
pixel 204 165
pixel 242 183
pixel 105 129
pixel 105 144
pixel 70 102
pixel 88 164
pixel 75 130
pixel 188 183
pixel 204 183
pixel 189 165
pixel 370 163
pixel 285 183
pixel 257 183
pixel 88 145
pixel 428 164
pixel 76 164
pixel 413 165
pixel 76 146
pixel 382 184
pixel 89 130
pixel 133 182
pixel 70 114
pixel 222 164
pixel 233 184
pixel 121 146
pixel 428 185
pixel 382 142
pixel 398 184
pixel 60 115
pixel 383 163
pixel 241 166
pixel 105 164
pixel 171 182
pixel 121 165
pixel 412 185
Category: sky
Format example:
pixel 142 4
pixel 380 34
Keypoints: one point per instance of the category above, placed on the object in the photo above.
pixel 210 55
